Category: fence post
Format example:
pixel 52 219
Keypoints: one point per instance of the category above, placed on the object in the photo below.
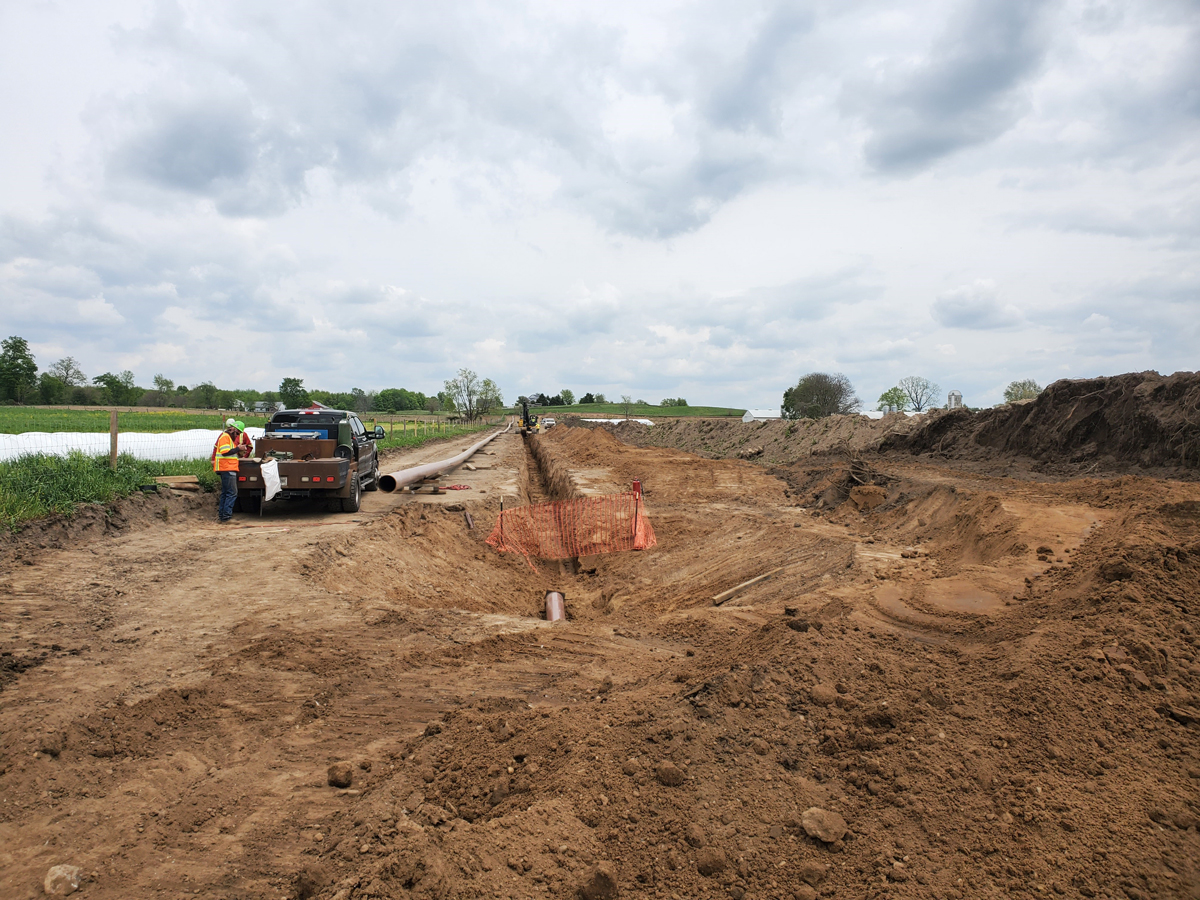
pixel 112 439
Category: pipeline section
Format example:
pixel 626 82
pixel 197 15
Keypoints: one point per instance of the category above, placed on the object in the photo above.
pixel 556 606
pixel 406 477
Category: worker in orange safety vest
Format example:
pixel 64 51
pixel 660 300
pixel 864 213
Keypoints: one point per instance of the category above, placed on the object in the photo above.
pixel 225 463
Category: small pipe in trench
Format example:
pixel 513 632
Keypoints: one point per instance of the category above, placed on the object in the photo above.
pixel 556 606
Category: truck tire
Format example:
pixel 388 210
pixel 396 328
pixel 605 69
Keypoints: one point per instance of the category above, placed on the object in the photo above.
pixel 374 485
pixel 352 503
pixel 249 503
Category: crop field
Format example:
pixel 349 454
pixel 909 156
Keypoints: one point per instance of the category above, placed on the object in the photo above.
pixel 24 419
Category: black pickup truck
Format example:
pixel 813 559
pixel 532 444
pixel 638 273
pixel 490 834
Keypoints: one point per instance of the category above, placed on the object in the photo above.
pixel 321 453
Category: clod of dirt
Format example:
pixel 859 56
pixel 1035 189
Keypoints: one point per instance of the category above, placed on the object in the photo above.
pixel 867 496
pixel 599 882
pixel 669 774
pixel 823 825
pixel 51 744
pixel 812 872
pixel 711 861
pixel 694 835
pixel 62 880
pixel 823 694
pixel 804 892
pixel 341 775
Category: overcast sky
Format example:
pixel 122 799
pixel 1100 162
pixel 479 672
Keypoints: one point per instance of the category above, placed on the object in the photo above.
pixel 697 199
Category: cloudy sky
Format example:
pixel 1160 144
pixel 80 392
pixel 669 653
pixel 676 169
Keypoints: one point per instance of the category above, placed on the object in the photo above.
pixel 697 199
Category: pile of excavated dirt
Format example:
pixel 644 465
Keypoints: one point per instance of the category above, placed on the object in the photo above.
pixel 1136 422
pixel 918 682
pixel 1141 422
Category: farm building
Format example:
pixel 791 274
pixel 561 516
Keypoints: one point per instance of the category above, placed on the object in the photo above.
pixel 761 415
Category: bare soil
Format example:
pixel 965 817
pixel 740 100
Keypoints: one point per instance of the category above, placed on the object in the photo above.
pixel 962 678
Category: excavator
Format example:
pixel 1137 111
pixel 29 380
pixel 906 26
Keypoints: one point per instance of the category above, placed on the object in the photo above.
pixel 529 422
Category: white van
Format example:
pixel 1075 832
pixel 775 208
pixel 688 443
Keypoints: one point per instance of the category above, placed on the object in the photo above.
pixel 547 423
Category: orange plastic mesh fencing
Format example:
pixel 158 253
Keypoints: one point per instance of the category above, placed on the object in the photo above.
pixel 570 528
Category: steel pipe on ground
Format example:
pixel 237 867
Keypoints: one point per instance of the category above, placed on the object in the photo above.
pixel 405 477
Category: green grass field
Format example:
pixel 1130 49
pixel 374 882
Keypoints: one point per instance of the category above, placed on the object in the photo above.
pixel 22 419
pixel 35 486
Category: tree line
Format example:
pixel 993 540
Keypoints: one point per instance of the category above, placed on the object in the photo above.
pixel 820 394
pixel 64 383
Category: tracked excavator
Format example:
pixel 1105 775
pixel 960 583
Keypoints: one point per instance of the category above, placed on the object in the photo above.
pixel 529 422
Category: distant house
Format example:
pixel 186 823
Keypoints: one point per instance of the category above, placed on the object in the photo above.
pixel 761 415
pixel 262 406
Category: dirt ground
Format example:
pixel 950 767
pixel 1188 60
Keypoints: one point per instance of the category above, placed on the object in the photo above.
pixel 957 681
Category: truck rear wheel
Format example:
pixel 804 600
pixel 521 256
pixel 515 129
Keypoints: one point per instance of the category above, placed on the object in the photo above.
pixel 249 503
pixel 354 501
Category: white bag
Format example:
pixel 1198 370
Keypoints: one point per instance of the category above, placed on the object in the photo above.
pixel 270 477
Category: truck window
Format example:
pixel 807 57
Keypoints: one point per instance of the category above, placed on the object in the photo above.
pixel 356 427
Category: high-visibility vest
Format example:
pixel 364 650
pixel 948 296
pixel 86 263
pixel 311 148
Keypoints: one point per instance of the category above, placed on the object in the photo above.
pixel 225 454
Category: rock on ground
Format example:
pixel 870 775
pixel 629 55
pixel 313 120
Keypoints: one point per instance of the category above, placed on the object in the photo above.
pixel 62 880
pixel 823 825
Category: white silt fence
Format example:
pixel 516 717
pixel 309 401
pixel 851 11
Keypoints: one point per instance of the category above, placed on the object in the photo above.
pixel 196 443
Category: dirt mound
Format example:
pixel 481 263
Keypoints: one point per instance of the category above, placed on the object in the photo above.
pixel 777 442
pixel 1119 423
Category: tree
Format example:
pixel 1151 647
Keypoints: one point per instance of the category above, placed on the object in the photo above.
pixel 921 392
pixel 293 394
pixel 1021 390
pixel 206 395
pixel 820 394
pixel 361 400
pixel 627 405
pixel 587 398
pixel 490 397
pixel 599 398
pixel 467 390
pixel 568 397
pixel 18 370
pixel 672 401
pixel 68 372
pixel 119 390
pixel 893 397
pixel 52 390
pixel 163 384
pixel 433 404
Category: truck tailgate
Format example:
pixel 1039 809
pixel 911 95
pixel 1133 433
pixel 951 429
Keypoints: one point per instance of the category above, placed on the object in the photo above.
pixel 298 475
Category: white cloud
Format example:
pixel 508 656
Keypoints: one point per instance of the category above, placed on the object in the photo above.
pixel 976 305
pixel 98 311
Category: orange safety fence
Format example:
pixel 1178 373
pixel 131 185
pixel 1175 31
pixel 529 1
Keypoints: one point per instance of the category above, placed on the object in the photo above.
pixel 566 529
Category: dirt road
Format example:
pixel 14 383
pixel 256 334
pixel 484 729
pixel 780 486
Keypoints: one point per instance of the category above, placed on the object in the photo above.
pixel 986 687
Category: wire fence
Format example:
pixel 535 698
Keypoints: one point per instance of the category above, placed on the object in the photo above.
pixel 195 443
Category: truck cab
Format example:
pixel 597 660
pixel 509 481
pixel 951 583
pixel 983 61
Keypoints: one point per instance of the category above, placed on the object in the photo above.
pixel 320 452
